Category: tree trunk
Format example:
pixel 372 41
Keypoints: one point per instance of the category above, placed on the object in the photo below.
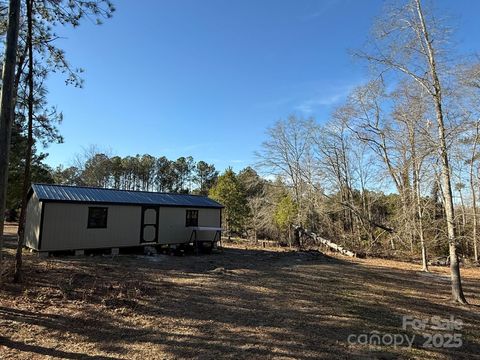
pixel 421 232
pixel 418 203
pixel 474 231
pixel 457 291
pixel 7 107
pixel 17 277
pixel 474 194
pixel 417 194
pixel 464 218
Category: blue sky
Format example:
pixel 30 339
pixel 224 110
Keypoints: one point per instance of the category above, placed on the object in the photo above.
pixel 207 77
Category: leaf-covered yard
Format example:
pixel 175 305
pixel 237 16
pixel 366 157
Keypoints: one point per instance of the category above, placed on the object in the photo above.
pixel 242 303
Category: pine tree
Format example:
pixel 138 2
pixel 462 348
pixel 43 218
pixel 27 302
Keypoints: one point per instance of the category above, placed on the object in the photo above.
pixel 229 192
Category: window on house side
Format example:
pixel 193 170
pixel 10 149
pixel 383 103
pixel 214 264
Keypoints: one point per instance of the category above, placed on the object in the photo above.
pixel 192 218
pixel 97 217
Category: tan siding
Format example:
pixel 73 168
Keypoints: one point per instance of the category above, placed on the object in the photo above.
pixel 65 227
pixel 32 222
pixel 172 228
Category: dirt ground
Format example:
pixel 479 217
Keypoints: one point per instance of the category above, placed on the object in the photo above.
pixel 243 303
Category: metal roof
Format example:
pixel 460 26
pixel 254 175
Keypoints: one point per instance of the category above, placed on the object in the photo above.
pixel 64 193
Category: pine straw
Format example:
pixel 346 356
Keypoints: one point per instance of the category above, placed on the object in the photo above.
pixel 247 302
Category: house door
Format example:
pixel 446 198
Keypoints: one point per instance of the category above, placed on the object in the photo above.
pixel 149 224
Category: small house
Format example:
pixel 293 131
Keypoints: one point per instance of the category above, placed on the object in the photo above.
pixel 63 217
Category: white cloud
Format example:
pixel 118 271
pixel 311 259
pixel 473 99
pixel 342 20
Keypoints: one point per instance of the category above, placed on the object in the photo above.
pixel 323 7
pixel 308 106
pixel 307 98
pixel 334 96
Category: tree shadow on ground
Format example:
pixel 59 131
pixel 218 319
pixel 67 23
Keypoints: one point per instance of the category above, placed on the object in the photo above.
pixel 239 304
pixel 35 349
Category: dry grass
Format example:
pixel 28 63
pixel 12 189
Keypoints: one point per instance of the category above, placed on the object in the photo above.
pixel 244 303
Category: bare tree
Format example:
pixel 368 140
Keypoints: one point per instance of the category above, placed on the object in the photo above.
pixel 332 152
pixel 469 79
pixel 287 152
pixel 409 112
pixel 409 41
pixel 473 189
pixel 372 124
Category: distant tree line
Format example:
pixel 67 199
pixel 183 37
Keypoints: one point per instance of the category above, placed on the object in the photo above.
pixel 140 172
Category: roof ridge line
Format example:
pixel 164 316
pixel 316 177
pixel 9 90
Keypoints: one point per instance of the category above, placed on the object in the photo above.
pixel 101 188
pixel 89 194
